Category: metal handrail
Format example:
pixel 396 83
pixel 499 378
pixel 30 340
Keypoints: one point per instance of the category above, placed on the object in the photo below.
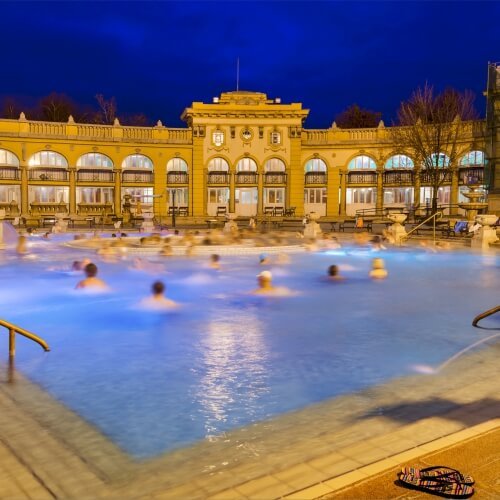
pixel 485 314
pixel 13 329
pixel 437 215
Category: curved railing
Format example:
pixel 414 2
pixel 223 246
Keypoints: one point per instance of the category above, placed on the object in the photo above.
pixel 485 314
pixel 13 329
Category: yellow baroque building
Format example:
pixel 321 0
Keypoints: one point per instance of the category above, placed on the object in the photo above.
pixel 241 153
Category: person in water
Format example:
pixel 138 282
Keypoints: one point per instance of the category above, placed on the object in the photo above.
pixel 91 280
pixel 266 287
pixel 215 262
pixel 21 247
pixel 157 300
pixel 334 273
pixel 378 269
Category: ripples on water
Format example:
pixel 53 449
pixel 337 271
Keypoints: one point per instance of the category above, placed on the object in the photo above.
pixel 156 381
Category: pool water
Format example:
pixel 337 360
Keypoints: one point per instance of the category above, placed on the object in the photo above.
pixel 156 381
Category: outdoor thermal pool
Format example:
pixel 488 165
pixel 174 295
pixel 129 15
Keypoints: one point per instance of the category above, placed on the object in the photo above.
pixel 156 381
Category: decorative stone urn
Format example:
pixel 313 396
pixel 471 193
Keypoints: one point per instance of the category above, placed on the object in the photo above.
pixel 486 234
pixel 230 226
pixel 312 229
pixel 397 230
pixel 147 224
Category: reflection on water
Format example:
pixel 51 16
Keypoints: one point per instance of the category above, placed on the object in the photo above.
pixel 234 369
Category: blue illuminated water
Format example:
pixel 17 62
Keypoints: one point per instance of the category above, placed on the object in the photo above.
pixel 153 382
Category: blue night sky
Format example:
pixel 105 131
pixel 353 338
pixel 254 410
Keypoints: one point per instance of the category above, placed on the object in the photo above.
pixel 158 57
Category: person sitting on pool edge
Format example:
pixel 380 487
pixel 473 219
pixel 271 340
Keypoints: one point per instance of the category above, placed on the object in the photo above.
pixel 91 281
pixel 378 269
pixel 266 287
pixel 158 300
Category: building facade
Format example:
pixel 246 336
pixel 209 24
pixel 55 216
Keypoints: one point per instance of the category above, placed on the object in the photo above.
pixel 241 153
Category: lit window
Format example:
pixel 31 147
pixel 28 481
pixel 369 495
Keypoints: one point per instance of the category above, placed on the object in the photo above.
pixel 47 159
pixel 177 165
pixel 315 165
pixel 137 161
pixel 8 158
pixel 274 165
pixel 218 165
pixel 94 160
pixel 246 165
pixel 474 158
pixel 399 162
pixel 361 162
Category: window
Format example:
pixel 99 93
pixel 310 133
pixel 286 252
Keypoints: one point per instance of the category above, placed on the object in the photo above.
pixel 218 165
pixel 94 195
pixel 218 196
pixel 47 159
pixel 144 195
pixel 246 165
pixel 474 158
pixel 443 195
pixel 361 195
pixel 218 138
pixel 440 160
pixel 9 194
pixel 315 195
pixel 399 162
pixel 275 138
pixel 398 196
pixel 361 162
pixel 315 165
pixel 137 161
pixel 8 158
pixel 274 165
pixel 177 165
pixel 48 194
pixel 94 160
pixel 181 197
pixel 274 196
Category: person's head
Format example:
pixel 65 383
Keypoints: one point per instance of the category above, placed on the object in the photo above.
pixel 263 258
pixel 333 270
pixel 264 278
pixel 158 288
pixel 215 258
pixel 91 270
pixel 378 263
pixel 76 266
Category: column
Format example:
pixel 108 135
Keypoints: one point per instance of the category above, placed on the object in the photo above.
pixel 332 192
pixel 416 190
pixel 454 191
pixel 343 191
pixel 231 192
pixel 72 191
pixel 260 193
pixel 379 206
pixel 118 192
pixel 24 190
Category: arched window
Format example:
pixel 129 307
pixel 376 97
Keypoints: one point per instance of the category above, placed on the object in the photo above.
pixel 177 165
pixel 218 165
pixel 246 165
pixel 47 159
pixel 94 160
pixel 361 162
pixel 274 165
pixel 473 159
pixel 8 159
pixel 137 161
pixel 315 165
pixel 399 162
pixel 441 160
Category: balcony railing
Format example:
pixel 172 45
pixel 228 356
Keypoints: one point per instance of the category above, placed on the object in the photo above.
pixel 138 176
pixel 427 177
pixel 9 173
pixel 48 174
pixel 275 178
pixel 471 175
pixel 362 178
pixel 48 208
pixel 177 178
pixel 398 177
pixel 246 178
pixel 95 208
pixel 94 175
pixel 315 178
pixel 11 208
pixel 218 178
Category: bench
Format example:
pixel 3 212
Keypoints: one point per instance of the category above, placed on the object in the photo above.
pixel 351 224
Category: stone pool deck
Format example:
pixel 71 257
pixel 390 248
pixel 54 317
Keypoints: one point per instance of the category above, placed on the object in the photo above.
pixel 48 451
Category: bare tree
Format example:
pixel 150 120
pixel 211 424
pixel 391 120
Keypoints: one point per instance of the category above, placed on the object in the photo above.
pixel 56 107
pixel 108 109
pixel 10 109
pixel 429 129
pixel 136 120
pixel 356 117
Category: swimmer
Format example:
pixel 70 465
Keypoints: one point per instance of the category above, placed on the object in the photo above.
pixel 334 273
pixel 158 300
pixel 79 265
pixel 215 262
pixel 91 281
pixel 266 287
pixel 378 269
pixel 263 259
